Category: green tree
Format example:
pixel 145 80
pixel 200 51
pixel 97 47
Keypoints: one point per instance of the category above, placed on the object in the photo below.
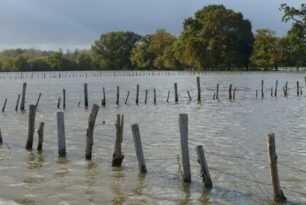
pixel 84 61
pixel 270 50
pixel 55 60
pixel 20 63
pixel 140 56
pixel 215 37
pixel 7 63
pixel 113 49
pixel 38 64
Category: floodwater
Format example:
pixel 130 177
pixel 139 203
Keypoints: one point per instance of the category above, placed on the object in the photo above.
pixel 233 134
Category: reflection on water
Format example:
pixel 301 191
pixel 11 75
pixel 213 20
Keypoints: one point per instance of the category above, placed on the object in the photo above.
pixel 233 134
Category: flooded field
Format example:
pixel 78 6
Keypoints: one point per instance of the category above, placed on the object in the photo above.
pixel 233 134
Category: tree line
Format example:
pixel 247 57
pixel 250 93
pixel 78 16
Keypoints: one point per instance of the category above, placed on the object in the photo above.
pixel 214 38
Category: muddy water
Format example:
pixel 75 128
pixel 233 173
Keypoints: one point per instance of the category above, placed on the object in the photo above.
pixel 233 133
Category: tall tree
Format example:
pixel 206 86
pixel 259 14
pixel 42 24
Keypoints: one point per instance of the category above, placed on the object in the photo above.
pixel 113 49
pixel 215 37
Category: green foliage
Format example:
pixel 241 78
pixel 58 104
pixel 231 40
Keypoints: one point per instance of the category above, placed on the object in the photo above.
pixel 113 49
pixel 6 63
pixel 215 37
pixel 20 63
pixel 38 63
pixel 140 56
pixel 84 61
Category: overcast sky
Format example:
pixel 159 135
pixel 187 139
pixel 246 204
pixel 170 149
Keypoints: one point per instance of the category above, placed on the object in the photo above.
pixel 70 24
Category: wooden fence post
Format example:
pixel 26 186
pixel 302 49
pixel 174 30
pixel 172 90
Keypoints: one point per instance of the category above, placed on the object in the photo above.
pixel 230 91
pixel 38 99
pixel 183 122
pixel 138 147
pixel 117 155
pixel 24 87
pixel 137 94
pixel 217 92
pixel 4 105
pixel 146 96
pixel 61 134
pixel 1 140
pixel 168 96
pixel 59 103
pixel 204 167
pixel 275 91
pixel 199 89
pixel 154 99
pixel 85 95
pixel 127 97
pixel 17 103
pixel 31 127
pixel 104 98
pixel 64 99
pixel 117 96
pixel 40 132
pixel 90 130
pixel 175 93
pixel 278 194
pixel 189 96
pixel 297 88
pixel 262 89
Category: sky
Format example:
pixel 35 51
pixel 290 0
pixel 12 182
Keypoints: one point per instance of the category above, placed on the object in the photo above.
pixel 71 24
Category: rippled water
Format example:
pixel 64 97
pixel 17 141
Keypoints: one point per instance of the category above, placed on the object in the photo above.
pixel 233 133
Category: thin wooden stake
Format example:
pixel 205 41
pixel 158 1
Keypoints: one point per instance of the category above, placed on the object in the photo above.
pixel 4 105
pixel 189 95
pixel 117 155
pixel 64 99
pixel 85 95
pixel 199 89
pixel 230 92
pixel 272 92
pixel 31 127
pixel 137 94
pixel 146 96
pixel 127 97
pixel 262 89
pixel 183 122
pixel 138 147
pixel 90 131
pixel 278 194
pixel 1 140
pixel 61 137
pixel 38 99
pixel 24 87
pixel 168 96
pixel 40 132
pixel 117 96
pixel 234 93
pixel 175 93
pixel 297 88
pixel 204 167
pixel 154 91
pixel 104 98
pixel 256 93
pixel 59 103
pixel 17 103
pixel 217 92
pixel 275 91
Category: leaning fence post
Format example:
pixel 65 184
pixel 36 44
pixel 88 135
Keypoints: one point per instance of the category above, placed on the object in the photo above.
pixel 40 132
pixel 117 155
pixel 204 167
pixel 61 134
pixel 199 88
pixel 168 96
pixel 17 103
pixel 138 147
pixel 3 108
pixel 278 194
pixel 24 87
pixel 127 97
pixel 31 127
pixel 38 99
pixel 90 130
pixel 183 122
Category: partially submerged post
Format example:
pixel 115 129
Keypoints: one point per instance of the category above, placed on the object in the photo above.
pixel 127 97
pixel 138 147
pixel 31 127
pixel 234 93
pixel 117 155
pixel 230 91
pixel 217 92
pixel 24 87
pixel 4 105
pixel 117 96
pixel 104 98
pixel 17 103
pixel 59 103
pixel 168 96
pixel 90 130
pixel 137 94
pixel 199 89
pixel 146 96
pixel 85 95
pixel 278 194
pixel 175 93
pixel 38 99
pixel 1 140
pixel 64 99
pixel 297 88
pixel 189 95
pixel 204 167
pixel 154 91
pixel 40 132
pixel 275 91
pixel 262 89
pixel 61 134
pixel 183 123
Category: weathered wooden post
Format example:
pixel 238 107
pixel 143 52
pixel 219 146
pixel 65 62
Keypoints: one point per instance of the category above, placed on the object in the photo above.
pixel 64 99
pixel 117 96
pixel 175 93
pixel 85 95
pixel 183 122
pixel 31 127
pixel 4 105
pixel 278 194
pixel 271 91
pixel 297 88
pixel 217 92
pixel 38 99
pixel 275 91
pixel 234 93
pixel 137 94
pixel 168 96
pixel 256 93
pixel 146 96
pixel 262 89
pixel 17 103
pixel 138 147
pixel 24 87
pixel 1 140
pixel 230 92
pixel 189 95
pixel 204 167
pixel 104 98
pixel 154 99
pixel 117 155
pixel 40 132
pixel 59 103
pixel 127 97
pixel 90 131
pixel 199 89
pixel 61 134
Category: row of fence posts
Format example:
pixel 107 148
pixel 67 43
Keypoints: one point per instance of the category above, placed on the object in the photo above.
pixel 118 156
pixel 231 94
